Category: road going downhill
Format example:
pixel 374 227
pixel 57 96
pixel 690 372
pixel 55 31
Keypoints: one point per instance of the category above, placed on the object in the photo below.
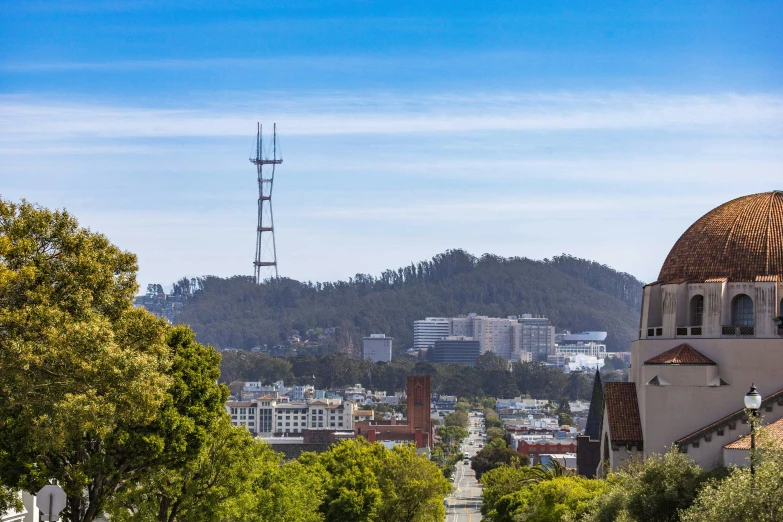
pixel 464 504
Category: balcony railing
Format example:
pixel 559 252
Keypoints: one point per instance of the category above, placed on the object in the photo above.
pixel 738 331
pixel 686 331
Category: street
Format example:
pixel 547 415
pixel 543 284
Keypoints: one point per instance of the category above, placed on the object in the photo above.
pixel 464 504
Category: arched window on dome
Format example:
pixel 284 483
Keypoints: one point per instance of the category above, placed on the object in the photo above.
pixel 742 311
pixel 697 310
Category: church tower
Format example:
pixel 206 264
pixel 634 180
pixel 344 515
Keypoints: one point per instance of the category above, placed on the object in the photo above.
pixel 710 327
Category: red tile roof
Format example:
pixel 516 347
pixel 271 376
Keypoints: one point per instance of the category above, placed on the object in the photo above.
pixel 767 279
pixel 682 354
pixel 775 430
pixel 622 407
pixel 740 240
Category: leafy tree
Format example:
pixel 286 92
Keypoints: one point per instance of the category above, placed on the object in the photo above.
pixel 84 374
pixel 352 492
pixel 458 418
pixel 413 488
pixel 212 486
pixel 614 363
pixel 490 458
pixel 367 482
pixel 452 435
pixel 563 412
pixel 462 406
pixel 738 496
pixel 554 500
pixel 495 434
pixel 653 490
pixel 290 492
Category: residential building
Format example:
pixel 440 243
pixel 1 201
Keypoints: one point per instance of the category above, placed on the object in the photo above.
pixel 378 348
pixel 269 415
pixel 455 350
pixel 363 415
pixel 710 327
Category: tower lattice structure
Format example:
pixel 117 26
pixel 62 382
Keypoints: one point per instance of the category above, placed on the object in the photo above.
pixel 265 264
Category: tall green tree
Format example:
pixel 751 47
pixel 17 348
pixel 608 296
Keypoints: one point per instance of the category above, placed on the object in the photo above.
pixel 84 374
pixel 93 393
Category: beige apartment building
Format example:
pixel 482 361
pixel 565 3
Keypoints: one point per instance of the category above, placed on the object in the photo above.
pixel 710 327
pixel 269 416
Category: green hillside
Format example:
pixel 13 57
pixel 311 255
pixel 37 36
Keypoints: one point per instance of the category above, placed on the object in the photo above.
pixel 575 294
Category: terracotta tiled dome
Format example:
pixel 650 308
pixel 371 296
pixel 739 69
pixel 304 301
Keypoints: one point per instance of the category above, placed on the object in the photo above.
pixel 740 240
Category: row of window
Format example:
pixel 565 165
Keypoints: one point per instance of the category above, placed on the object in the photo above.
pixel 741 310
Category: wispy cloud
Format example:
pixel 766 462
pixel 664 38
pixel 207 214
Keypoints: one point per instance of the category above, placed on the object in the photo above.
pixel 718 114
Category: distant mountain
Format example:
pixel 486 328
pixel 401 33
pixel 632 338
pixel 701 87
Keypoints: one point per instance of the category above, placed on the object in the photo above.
pixel 575 294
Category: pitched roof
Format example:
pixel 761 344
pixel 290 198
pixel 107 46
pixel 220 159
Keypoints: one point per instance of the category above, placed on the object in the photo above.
pixel 682 354
pixel 593 425
pixel 775 430
pixel 729 419
pixel 622 407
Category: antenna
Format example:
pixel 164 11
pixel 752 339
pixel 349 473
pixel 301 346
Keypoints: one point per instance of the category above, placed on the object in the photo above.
pixel 266 250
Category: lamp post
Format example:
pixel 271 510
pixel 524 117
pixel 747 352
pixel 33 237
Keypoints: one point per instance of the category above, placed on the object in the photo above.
pixel 753 403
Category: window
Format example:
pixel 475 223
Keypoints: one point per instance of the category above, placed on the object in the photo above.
pixel 742 311
pixel 697 310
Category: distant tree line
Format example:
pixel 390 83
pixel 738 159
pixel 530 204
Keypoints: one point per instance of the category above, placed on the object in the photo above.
pixel 490 377
pixel 575 294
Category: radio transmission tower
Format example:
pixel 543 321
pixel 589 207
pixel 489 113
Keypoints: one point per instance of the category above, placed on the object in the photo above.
pixel 266 252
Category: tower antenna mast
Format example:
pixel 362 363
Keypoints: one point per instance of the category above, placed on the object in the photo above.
pixel 266 251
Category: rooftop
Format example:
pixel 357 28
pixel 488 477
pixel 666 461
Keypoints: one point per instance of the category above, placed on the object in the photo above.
pixel 681 354
pixel 623 408
pixel 739 240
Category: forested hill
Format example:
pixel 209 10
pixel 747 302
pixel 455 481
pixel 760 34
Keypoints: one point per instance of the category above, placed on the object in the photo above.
pixel 573 293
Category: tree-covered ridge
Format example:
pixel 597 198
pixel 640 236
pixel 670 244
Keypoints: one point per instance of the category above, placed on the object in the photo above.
pixel 573 293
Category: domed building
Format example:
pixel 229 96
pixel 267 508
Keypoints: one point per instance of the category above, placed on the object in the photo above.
pixel 710 327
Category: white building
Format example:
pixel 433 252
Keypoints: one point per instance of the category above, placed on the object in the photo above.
pixel 429 330
pixel 268 415
pixel 378 348
pixel 511 337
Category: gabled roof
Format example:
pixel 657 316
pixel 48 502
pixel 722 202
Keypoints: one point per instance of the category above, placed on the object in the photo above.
pixel 622 407
pixel 775 430
pixel 682 354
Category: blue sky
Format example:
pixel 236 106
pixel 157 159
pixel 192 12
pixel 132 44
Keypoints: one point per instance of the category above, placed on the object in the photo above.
pixel 599 129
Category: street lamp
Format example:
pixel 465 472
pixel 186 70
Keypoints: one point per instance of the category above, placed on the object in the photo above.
pixel 753 403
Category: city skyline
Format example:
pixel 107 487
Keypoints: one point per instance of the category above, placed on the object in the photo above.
pixel 598 131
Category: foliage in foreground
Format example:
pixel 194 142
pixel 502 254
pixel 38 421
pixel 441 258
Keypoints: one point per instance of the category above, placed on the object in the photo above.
pixel 738 497
pixel 125 412
pixel 662 488
pixel 653 490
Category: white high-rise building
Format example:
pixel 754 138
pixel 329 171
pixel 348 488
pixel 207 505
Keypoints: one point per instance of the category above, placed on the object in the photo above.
pixel 429 330
pixel 510 337
pixel 378 348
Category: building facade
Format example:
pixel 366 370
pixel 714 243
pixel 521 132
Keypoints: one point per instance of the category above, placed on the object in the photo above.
pixel 455 350
pixel 268 416
pixel 510 337
pixel 378 348
pixel 429 330
pixel 710 327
